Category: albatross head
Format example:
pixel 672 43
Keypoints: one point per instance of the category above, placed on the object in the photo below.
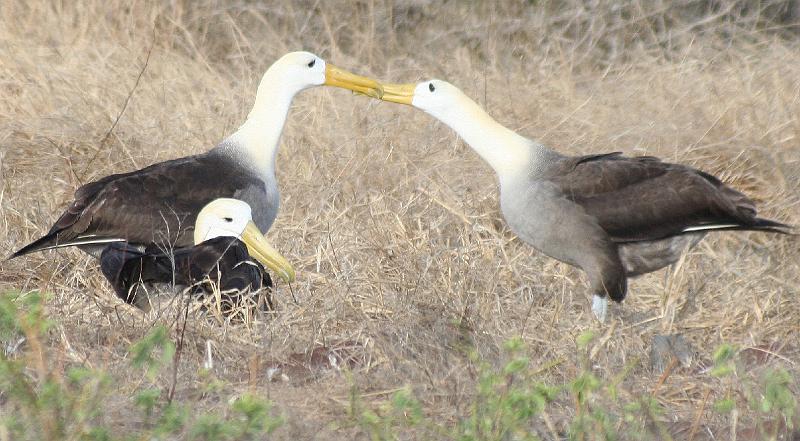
pixel 297 71
pixel 435 97
pixel 258 137
pixel 233 218
pixel 507 152
pixel 448 104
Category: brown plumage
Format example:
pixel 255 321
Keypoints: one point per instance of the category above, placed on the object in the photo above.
pixel 155 205
pixel 641 198
pixel 634 215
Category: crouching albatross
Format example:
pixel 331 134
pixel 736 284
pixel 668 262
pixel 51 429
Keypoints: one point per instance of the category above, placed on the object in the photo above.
pixel 610 215
pixel 159 204
pixel 229 252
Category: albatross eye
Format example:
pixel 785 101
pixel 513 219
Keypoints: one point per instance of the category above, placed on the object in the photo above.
pixel 312 63
pixel 227 219
pixel 430 87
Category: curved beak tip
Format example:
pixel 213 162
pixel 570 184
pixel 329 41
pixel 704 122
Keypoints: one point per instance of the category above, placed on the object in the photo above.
pixel 288 275
pixel 264 252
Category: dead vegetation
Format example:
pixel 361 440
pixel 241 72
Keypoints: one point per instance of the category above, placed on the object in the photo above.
pixel 391 221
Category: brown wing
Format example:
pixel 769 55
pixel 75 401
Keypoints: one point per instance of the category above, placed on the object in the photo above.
pixel 636 199
pixel 157 204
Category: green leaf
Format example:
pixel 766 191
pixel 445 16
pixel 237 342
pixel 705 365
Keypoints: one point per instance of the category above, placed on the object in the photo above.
pixel 97 434
pixel 584 339
pixel 147 400
pixel 585 382
pixel 513 345
pixel 257 419
pixel 721 371
pixel 142 352
pixel 516 366
pixel 725 405
pixel 778 394
pixel 724 354
pixel 404 403
pixel 210 427
pixel 173 419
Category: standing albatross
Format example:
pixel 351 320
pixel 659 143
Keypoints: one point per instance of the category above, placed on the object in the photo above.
pixel 229 252
pixel 159 204
pixel 610 215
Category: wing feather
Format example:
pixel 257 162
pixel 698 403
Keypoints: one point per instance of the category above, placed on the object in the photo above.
pixel 636 199
pixel 158 203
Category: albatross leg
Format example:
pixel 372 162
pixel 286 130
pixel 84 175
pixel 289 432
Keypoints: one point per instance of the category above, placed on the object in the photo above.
pixel 600 307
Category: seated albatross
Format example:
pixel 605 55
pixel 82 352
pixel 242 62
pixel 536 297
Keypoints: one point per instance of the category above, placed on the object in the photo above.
pixel 229 252
pixel 610 215
pixel 159 204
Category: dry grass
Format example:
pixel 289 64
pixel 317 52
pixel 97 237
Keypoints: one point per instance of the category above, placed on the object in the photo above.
pixel 391 221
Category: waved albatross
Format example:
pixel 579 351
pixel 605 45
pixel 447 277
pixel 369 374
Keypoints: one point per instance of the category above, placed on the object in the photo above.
pixel 229 252
pixel 158 204
pixel 610 215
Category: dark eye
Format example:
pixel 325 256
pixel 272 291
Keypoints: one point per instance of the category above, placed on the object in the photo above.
pixel 430 87
pixel 228 219
pixel 312 62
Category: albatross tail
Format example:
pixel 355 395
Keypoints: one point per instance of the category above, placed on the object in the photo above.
pixel 43 243
pixel 758 224
pixel 50 241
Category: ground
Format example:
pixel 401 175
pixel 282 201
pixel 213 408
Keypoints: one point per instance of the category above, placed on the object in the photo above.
pixel 406 268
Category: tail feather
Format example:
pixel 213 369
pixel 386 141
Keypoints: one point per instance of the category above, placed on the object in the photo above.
pixel 771 225
pixel 46 242
pixel 50 241
pixel 759 224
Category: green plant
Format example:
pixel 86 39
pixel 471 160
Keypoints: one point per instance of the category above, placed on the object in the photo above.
pixel 510 402
pixel 770 396
pixel 600 410
pixel 47 402
pixel 506 401
pixel 506 404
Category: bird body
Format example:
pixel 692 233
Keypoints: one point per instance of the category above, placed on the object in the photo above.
pixel 151 206
pixel 610 215
pixel 222 263
pixel 229 253
pixel 159 204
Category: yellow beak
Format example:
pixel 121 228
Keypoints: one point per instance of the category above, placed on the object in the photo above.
pixel 341 78
pixel 398 93
pixel 261 250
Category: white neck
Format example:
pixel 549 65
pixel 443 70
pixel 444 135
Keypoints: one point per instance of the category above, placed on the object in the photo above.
pixel 506 152
pixel 256 141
